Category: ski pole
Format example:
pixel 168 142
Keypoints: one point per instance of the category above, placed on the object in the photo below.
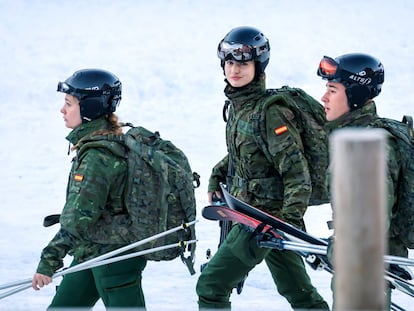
pixel 120 258
pixel 112 253
pixel 322 250
pixel 15 290
pixel 15 283
pixel 91 265
pixel 399 260
pixel 300 245
pixel 294 246
pixel 134 245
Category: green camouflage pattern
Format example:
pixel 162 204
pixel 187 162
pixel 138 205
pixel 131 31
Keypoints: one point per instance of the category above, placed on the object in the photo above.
pixel 399 168
pixel 280 185
pixel 310 116
pixel 159 195
pixel 160 191
pixel 403 211
pixel 94 192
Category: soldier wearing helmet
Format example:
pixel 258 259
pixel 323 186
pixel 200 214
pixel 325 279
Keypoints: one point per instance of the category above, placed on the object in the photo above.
pixel 279 185
pixel 353 81
pixel 94 191
pixel 358 77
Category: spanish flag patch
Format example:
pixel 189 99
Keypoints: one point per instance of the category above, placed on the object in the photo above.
pixel 78 177
pixel 281 130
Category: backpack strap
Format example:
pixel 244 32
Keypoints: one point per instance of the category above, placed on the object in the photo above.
pixel 259 132
pixel 259 117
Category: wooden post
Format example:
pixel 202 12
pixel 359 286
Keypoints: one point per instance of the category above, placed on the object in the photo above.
pixel 359 202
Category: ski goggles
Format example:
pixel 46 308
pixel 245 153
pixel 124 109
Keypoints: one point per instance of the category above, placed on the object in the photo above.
pixel 79 94
pixel 240 52
pixel 328 68
pixel 93 92
pixel 65 88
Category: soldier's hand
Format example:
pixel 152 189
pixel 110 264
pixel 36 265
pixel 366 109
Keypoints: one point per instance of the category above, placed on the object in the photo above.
pixel 40 280
pixel 217 194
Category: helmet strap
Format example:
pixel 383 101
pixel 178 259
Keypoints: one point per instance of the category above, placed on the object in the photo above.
pixel 357 96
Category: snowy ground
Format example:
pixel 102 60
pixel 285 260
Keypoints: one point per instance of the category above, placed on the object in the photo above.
pixel 164 52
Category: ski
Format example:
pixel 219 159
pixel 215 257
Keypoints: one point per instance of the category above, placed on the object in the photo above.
pixel 314 254
pixel 283 236
pixel 281 240
pixel 224 213
pixel 227 220
pixel 266 218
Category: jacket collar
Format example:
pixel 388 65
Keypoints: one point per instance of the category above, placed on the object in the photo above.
pixel 86 129
pixel 356 118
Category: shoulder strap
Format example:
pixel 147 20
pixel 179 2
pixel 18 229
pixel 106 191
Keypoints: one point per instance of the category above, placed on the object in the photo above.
pixel 258 119
pixel 259 132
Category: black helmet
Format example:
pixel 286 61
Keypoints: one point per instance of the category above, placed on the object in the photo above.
pixel 98 92
pixel 245 44
pixel 361 74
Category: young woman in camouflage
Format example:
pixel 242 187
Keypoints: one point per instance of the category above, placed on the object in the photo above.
pixel 281 186
pixel 94 192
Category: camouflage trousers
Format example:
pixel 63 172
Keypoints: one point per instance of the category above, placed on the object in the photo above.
pixel 118 285
pixel 237 256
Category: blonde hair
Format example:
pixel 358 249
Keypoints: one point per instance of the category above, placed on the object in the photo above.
pixel 115 127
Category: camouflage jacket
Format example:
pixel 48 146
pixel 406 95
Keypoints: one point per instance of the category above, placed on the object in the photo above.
pixel 94 191
pixel 281 187
pixel 367 117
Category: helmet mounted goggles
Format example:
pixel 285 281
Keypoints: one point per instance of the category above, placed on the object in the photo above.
pixel 240 52
pixel 329 69
pixel 81 93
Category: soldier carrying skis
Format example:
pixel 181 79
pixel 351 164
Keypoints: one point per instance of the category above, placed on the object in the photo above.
pixel 281 186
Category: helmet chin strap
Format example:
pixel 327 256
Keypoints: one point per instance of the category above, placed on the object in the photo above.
pixel 357 96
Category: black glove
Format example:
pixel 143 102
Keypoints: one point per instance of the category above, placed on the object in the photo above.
pixel 51 220
pixel 400 271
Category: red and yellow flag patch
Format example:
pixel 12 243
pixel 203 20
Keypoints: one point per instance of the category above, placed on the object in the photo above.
pixel 281 130
pixel 78 177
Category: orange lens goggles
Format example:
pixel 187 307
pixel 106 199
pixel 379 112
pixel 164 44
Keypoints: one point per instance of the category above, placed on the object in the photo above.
pixel 328 68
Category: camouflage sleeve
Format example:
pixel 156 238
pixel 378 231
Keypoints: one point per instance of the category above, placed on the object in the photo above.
pixel 88 190
pixel 218 175
pixel 285 146
pixel 52 255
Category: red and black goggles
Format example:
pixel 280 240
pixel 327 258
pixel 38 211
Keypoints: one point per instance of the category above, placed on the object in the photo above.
pixel 328 68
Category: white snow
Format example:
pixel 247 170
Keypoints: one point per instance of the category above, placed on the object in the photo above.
pixel 164 52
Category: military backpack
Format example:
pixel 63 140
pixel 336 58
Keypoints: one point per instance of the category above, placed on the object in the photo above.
pixel 158 196
pixel 159 193
pixel 404 215
pixel 311 118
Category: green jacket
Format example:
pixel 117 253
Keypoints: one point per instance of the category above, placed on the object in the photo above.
pixel 367 117
pixel 281 187
pixel 94 192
